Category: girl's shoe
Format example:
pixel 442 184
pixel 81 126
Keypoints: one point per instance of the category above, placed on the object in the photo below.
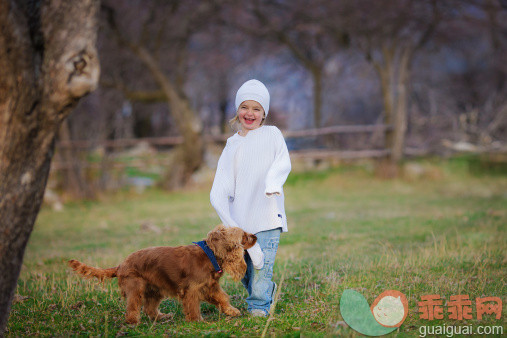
pixel 258 313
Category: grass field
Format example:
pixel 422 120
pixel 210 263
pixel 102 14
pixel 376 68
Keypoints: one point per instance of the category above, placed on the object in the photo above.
pixel 443 235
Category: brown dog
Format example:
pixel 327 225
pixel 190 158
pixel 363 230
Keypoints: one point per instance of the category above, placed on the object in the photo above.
pixel 149 275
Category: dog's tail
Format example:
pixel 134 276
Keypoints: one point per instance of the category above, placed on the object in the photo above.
pixel 89 271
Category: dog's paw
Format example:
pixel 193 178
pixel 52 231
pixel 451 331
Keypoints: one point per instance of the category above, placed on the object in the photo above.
pixel 132 321
pixel 232 312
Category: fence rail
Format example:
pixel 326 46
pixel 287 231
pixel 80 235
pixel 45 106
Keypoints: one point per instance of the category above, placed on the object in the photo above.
pixel 347 129
pixel 318 154
pixel 176 140
pixel 346 154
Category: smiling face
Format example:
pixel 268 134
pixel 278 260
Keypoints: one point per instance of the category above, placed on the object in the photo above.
pixel 250 115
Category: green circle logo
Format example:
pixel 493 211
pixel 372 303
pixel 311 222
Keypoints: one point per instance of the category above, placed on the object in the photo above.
pixel 388 312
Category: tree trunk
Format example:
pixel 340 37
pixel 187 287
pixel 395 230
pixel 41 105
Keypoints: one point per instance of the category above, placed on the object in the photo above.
pixel 386 82
pixel 394 73
pixel 48 61
pixel 401 107
pixel 222 106
pixel 316 72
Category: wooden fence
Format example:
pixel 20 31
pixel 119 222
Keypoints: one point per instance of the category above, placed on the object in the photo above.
pixel 318 154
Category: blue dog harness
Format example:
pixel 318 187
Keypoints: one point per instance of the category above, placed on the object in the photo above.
pixel 210 254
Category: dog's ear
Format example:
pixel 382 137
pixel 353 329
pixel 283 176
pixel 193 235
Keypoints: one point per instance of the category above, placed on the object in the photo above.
pixel 235 264
pixel 248 240
pixel 216 239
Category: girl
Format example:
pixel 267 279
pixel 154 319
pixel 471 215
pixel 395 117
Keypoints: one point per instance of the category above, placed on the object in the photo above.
pixel 247 190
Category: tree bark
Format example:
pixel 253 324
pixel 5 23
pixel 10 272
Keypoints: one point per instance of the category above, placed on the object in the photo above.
pixel 316 72
pixel 401 108
pixel 394 70
pixel 48 61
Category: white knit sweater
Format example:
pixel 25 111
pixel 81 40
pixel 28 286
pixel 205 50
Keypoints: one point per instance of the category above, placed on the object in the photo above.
pixel 251 168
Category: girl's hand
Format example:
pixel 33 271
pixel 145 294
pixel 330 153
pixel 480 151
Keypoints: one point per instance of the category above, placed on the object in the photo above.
pixel 257 256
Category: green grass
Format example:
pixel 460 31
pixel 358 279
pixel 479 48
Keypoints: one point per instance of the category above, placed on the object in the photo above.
pixel 347 229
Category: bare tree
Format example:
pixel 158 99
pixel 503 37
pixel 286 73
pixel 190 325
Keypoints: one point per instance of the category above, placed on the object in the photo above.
pixel 160 43
pixel 48 61
pixel 390 34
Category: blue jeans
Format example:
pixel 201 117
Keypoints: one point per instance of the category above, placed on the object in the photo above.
pixel 258 282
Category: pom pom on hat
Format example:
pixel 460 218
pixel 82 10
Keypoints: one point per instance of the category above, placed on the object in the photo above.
pixel 253 90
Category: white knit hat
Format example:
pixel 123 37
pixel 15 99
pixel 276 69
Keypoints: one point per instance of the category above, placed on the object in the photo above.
pixel 253 90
